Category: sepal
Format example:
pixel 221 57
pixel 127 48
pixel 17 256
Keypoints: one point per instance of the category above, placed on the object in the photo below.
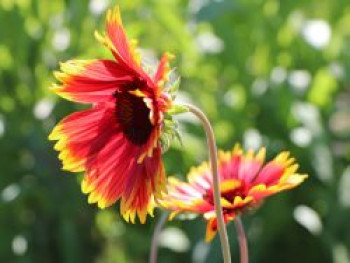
pixel 170 131
pixel 174 87
pixel 177 109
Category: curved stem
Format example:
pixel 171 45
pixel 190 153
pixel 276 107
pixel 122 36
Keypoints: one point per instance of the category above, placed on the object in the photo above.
pixel 216 180
pixel 155 238
pixel 241 239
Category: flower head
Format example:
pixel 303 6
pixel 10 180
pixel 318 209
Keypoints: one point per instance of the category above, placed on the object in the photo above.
pixel 116 142
pixel 245 182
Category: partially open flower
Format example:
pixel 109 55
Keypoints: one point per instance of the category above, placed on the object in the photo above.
pixel 116 142
pixel 245 181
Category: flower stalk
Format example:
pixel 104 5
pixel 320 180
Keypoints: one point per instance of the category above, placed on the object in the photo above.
pixel 242 240
pixel 212 148
pixel 155 239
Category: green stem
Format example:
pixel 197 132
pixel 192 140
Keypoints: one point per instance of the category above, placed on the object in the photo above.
pixel 216 180
pixel 155 239
pixel 241 239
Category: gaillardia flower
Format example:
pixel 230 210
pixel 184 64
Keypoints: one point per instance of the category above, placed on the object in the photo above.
pixel 117 143
pixel 245 181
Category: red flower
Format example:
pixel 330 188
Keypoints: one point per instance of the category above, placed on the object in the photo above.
pixel 117 141
pixel 245 181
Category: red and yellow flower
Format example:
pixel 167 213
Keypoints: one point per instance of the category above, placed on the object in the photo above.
pixel 116 142
pixel 245 182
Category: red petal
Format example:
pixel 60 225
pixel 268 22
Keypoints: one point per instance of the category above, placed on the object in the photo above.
pixel 117 36
pixel 212 229
pixel 163 68
pixel 90 81
pixel 249 169
pixel 270 174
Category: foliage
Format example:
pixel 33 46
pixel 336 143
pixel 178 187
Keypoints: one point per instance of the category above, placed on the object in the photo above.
pixel 273 73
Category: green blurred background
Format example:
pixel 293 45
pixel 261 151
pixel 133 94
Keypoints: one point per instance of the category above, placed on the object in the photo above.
pixel 273 73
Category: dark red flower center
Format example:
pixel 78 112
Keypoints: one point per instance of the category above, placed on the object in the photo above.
pixel 229 195
pixel 133 116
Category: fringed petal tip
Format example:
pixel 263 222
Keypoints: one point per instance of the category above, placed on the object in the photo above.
pixel 104 40
pixel 212 224
pixel 283 159
pixel 293 180
pixel 173 215
pixel 287 182
pixel 163 72
pixel 69 69
pixel 56 133
pixel 94 197
pixel 212 229
pixel 69 162
pixel 238 151
pixel 59 90
pixel 113 15
pixel 129 214
pixel 127 210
